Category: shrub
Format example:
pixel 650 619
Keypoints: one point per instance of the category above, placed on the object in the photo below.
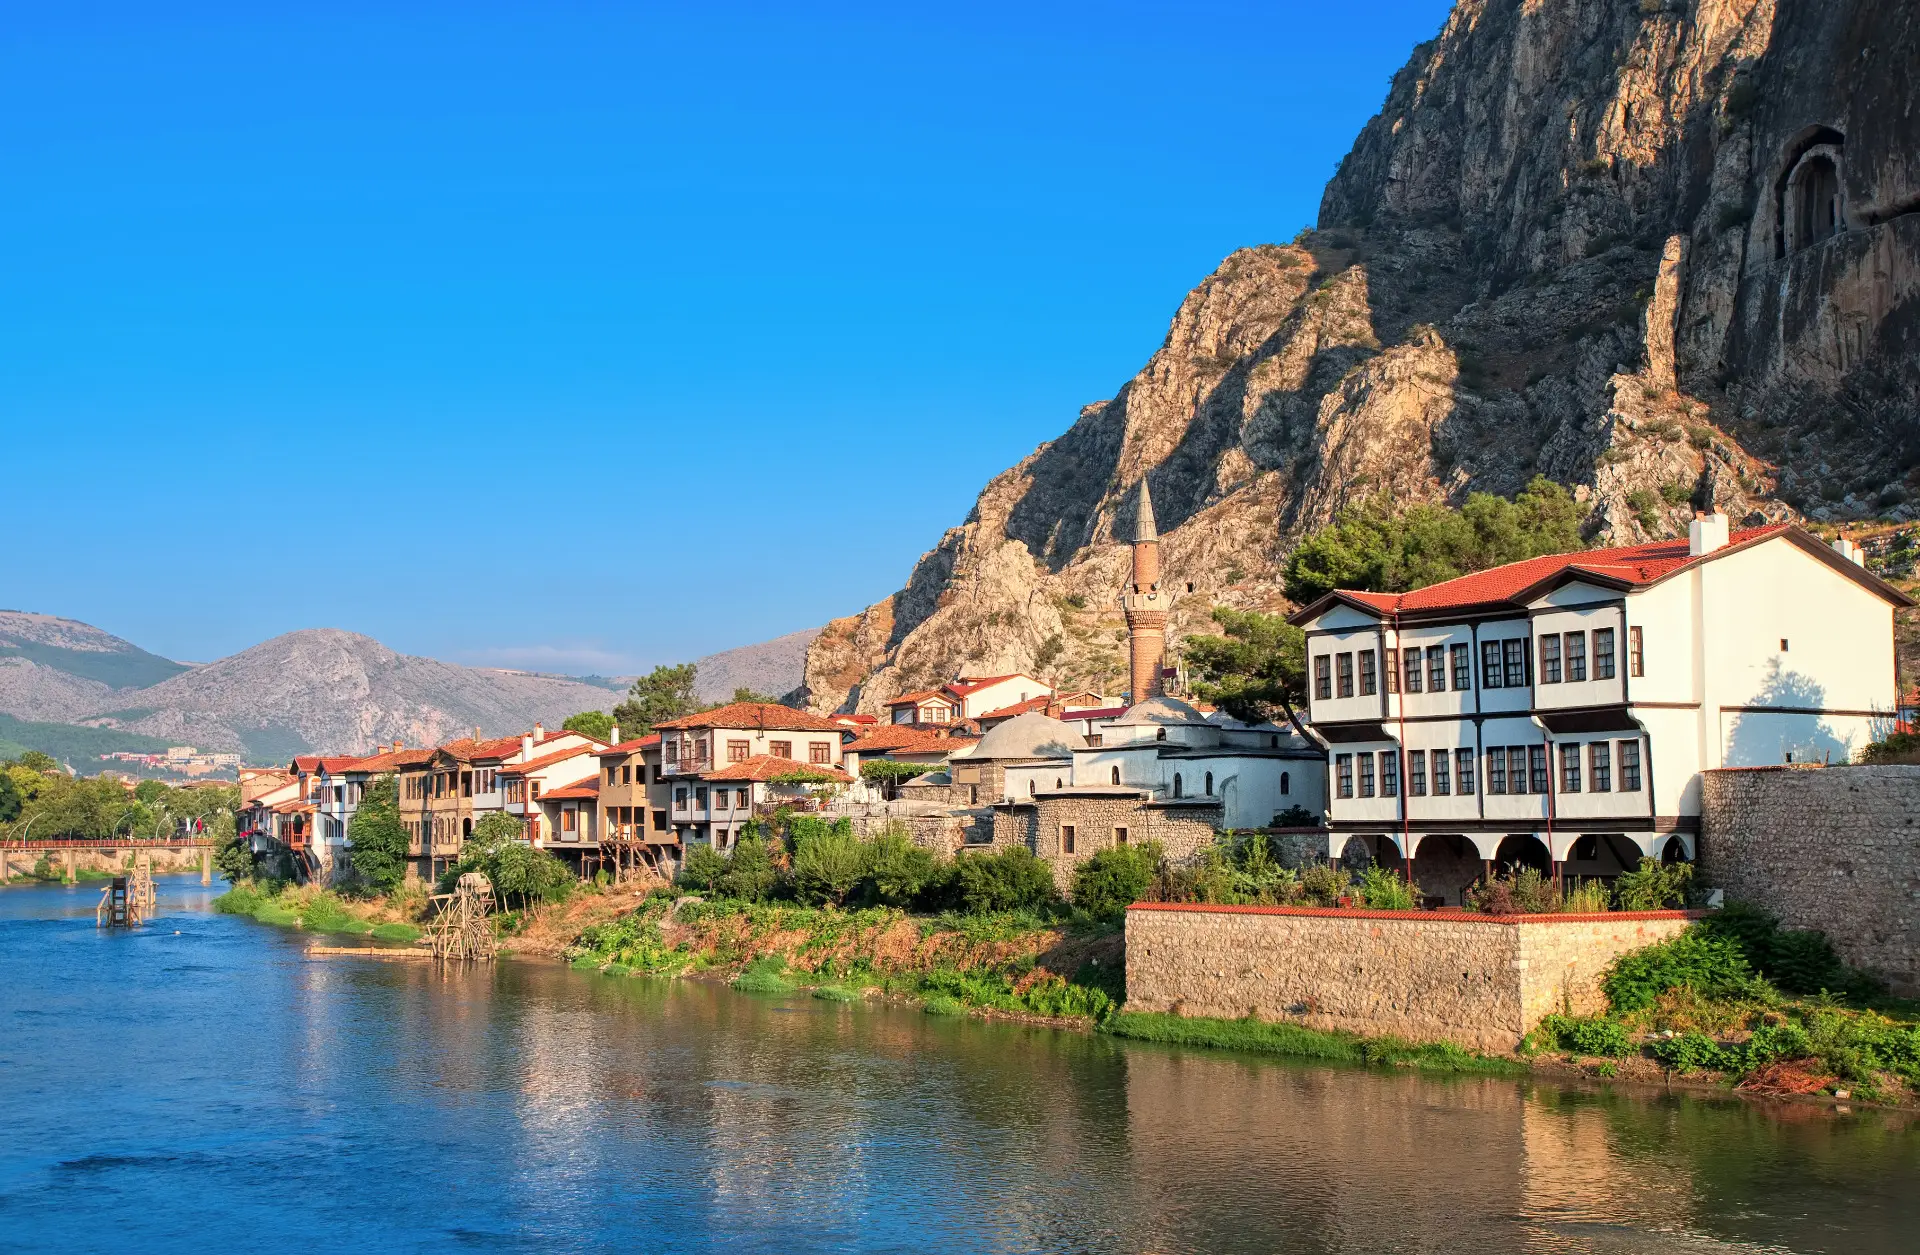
pixel 1324 884
pixel 1587 897
pixel 898 870
pixel 1526 892
pixel 1387 891
pixel 750 874
pixel 1011 880
pixel 828 865
pixel 1693 1052
pixel 1588 1035
pixel 1115 878
pixel 702 869
pixel 1652 887
pixel 1710 965
pixel 764 976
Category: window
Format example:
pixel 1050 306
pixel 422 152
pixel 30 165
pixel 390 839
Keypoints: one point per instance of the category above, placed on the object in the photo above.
pixel 1576 657
pixel 1343 773
pixel 1116 775
pixel 1603 653
pixel 1390 773
pixel 1369 684
pixel 1120 836
pixel 740 797
pixel 737 751
pixel 780 749
pixel 1783 644
pixel 1209 784
pixel 1629 766
pixel 673 751
pixel 1463 760
pixel 1437 668
pixel 1442 785
pixel 819 751
pixel 1416 773
pixel 1413 668
pixel 1285 784
pixel 1323 678
pixel 609 775
pixel 1600 765
pixel 1489 664
pixel 1516 656
pixel 1636 658
pixel 1496 770
pixel 1390 667
pixel 679 799
pixel 1366 775
pixel 1549 659
pixel 1537 774
pixel 1159 734
pixel 700 799
pixel 1569 768
pixel 1462 668
pixel 1345 668
pixel 1176 784
pixel 1095 740
pixel 626 774
pixel 569 819
pixel 700 750
pixel 1066 838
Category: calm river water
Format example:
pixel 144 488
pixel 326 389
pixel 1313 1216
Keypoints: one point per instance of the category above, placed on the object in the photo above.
pixel 200 1086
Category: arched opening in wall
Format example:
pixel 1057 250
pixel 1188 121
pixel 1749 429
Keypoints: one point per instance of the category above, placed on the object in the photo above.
pixel 1446 865
pixel 1209 784
pixel 1809 204
pixel 1674 851
pixel 1116 775
pixel 1176 784
pixel 1523 849
pixel 1160 734
pixel 1286 784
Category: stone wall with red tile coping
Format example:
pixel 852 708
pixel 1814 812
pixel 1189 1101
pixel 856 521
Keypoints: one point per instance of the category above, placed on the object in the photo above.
pixel 1483 981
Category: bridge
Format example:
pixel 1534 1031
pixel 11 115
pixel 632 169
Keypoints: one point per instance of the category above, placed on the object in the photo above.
pixel 117 848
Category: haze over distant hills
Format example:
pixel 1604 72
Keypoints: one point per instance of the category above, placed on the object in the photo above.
pixel 319 689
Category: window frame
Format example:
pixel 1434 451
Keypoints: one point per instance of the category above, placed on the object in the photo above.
pixel 1366 773
pixel 1463 765
pixel 1539 770
pixel 1411 660
pixel 1323 677
pixel 1343 674
pixel 1443 773
pixel 1496 771
pixel 1576 652
pixel 1604 664
pixel 1600 766
pixel 1436 668
pixel 1570 773
pixel 1342 775
pixel 1636 653
pixel 1390 669
pixel 1369 674
pixel 1416 773
pixel 1517 657
pixel 1461 656
pixel 1068 836
pixel 1549 657
pixel 1628 752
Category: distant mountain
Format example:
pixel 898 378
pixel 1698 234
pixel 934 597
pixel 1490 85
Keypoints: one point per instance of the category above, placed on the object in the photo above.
pixel 56 670
pixel 776 667
pixel 325 689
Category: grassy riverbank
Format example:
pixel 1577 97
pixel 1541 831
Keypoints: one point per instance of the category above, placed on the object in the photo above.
pixel 317 910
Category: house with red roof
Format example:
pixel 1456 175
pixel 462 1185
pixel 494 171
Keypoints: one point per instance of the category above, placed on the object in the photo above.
pixel 1559 711
pixel 697 753
pixel 632 831
pixel 968 697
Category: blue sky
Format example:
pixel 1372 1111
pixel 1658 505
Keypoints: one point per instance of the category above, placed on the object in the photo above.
pixel 585 337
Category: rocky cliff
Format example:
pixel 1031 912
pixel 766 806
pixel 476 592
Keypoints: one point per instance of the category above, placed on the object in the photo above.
pixel 1664 251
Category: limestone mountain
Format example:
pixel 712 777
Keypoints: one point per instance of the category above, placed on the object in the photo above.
pixel 1663 251
pixel 775 667
pixel 54 669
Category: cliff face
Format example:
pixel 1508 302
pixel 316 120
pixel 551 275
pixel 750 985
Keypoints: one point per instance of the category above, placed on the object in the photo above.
pixel 1664 251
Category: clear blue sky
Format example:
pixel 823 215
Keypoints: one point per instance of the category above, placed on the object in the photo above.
pixel 590 336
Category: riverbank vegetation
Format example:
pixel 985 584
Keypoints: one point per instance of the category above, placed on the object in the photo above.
pixel 320 910
pixel 1739 999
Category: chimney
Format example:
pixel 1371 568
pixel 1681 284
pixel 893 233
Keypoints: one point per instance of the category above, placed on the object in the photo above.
pixel 613 735
pixel 526 744
pixel 539 733
pixel 476 731
pixel 1706 533
pixel 1848 550
pixel 398 745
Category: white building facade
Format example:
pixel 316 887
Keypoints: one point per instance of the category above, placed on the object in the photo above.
pixel 1559 711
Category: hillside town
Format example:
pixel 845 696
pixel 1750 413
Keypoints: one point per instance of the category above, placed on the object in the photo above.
pixel 1560 713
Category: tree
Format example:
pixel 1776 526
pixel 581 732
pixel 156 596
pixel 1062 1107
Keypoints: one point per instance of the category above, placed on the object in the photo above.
pixel 10 799
pixel 1376 546
pixel 1257 668
pixel 594 723
pixel 378 837
pixel 665 693
pixel 34 760
pixel 151 791
pixel 745 694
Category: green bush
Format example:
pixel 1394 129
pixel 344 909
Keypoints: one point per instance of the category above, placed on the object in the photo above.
pixel 1105 885
pixel 1383 890
pixel 943 1004
pixel 750 874
pixel 1011 880
pixel 897 869
pixel 1799 961
pixel 1693 1052
pixel 1324 884
pixel 1526 892
pixel 1652 887
pixel 1712 966
pixel 828 866
pixel 764 976
pixel 702 869
pixel 1588 1035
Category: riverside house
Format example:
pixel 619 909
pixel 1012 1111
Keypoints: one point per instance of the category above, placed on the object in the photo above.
pixel 532 775
pixel 445 791
pixel 1559 711
pixel 966 698
pixel 710 762
pixel 633 802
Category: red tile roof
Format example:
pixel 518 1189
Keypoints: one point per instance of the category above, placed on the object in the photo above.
pixel 860 719
pixel 394 760
pixel 766 715
pixel 909 738
pixel 960 688
pixel 1630 566
pixel 915 698
pixel 1019 708
pixel 628 747
pixel 306 762
pixel 588 788
pixel 764 767
pixel 545 760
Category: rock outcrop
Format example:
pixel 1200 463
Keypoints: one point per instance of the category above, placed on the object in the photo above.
pixel 1664 251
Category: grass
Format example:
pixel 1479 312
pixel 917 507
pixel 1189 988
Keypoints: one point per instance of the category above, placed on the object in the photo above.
pixel 764 976
pixel 838 993
pixel 313 910
pixel 1268 1037
pixel 395 932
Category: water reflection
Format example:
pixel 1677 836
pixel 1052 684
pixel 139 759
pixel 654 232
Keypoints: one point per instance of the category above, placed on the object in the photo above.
pixel 204 1085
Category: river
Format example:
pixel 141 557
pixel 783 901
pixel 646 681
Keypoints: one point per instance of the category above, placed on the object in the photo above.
pixel 200 1086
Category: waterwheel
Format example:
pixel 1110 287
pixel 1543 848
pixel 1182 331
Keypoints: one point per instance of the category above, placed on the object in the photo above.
pixel 461 927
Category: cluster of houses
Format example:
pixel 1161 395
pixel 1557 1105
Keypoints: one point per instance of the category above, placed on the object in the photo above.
pixel 1556 712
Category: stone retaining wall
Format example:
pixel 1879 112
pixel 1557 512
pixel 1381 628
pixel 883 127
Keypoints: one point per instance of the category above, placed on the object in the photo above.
pixel 1832 848
pixel 1479 980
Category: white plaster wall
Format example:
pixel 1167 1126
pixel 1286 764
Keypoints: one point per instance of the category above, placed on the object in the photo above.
pixel 1448 701
pixel 1591 691
pixel 1664 615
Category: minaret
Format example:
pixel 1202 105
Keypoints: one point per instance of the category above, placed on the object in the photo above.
pixel 1146 606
